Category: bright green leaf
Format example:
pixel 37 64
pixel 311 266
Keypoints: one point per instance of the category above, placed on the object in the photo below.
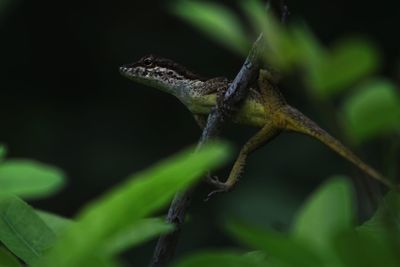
pixel 278 247
pixel 22 231
pixel 29 179
pixel 140 232
pixel 7 259
pixel 220 258
pixel 216 21
pixel 348 61
pixel 141 195
pixel 373 110
pixel 328 212
pixel 56 223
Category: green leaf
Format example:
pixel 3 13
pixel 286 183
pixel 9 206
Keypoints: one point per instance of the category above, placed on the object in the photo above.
pixel 140 232
pixel 220 258
pixel 328 212
pixel 278 247
pixel 309 51
pixel 22 231
pixel 7 259
pixel 3 152
pixel 141 195
pixel 385 223
pixel 373 110
pixel 375 242
pixel 216 21
pixel 281 50
pixel 29 179
pixel 346 63
pixel 56 223
pixel 358 250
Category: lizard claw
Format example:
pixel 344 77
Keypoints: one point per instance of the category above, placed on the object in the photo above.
pixel 213 180
pixel 215 192
pixel 220 186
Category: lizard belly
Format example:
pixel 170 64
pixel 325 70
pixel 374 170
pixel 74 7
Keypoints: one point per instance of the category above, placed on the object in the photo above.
pixel 251 113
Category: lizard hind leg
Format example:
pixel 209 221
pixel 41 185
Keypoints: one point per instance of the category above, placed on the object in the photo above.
pixel 298 122
pixel 264 135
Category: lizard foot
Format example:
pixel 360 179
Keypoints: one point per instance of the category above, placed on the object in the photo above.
pixel 215 192
pixel 221 187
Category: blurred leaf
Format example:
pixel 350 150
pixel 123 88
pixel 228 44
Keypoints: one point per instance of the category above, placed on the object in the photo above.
pixel 220 258
pixel 358 250
pixel 257 256
pixel 3 152
pixel 281 51
pixel 385 223
pixel 27 178
pixel 348 61
pixel 216 21
pixel 22 231
pixel 279 247
pixel 310 52
pixel 126 204
pixel 372 111
pixel 140 232
pixel 328 212
pixel 7 259
pixel 56 223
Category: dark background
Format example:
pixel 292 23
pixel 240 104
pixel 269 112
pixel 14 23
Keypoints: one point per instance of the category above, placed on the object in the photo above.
pixel 63 102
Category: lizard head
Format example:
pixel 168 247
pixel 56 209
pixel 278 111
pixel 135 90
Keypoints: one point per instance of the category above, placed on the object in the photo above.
pixel 161 73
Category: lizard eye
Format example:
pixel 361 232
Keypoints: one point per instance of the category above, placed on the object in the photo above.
pixel 147 62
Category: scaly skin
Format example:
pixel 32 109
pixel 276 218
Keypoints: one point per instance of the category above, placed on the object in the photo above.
pixel 264 108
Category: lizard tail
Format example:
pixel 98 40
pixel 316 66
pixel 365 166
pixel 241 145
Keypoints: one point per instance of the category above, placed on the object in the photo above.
pixel 298 122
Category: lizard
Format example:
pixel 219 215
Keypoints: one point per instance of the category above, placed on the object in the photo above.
pixel 264 107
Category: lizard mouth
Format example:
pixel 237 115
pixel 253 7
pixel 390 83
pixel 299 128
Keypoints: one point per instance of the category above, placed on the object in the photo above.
pixel 124 70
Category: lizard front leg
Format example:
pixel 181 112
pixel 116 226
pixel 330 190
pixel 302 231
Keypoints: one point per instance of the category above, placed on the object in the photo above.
pixel 266 134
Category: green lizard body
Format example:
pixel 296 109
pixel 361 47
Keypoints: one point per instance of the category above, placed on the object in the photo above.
pixel 264 108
